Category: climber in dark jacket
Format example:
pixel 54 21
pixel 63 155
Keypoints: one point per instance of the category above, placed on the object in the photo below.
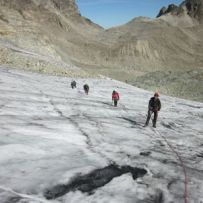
pixel 73 84
pixel 153 108
pixel 86 88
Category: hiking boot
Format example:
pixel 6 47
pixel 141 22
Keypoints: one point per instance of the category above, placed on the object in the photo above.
pixel 154 123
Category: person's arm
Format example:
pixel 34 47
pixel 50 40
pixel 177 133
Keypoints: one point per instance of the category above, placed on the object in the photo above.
pixel 159 106
pixel 150 104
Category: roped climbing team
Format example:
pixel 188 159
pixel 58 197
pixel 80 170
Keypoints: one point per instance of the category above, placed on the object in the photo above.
pixel 154 105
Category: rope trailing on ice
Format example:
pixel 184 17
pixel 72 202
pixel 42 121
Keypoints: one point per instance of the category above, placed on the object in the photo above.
pixel 182 165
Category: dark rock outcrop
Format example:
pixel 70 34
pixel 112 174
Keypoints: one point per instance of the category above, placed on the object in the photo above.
pixel 193 8
pixel 162 12
pixel 172 8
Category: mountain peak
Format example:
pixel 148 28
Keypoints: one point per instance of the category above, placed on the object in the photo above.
pixel 193 8
pixel 172 8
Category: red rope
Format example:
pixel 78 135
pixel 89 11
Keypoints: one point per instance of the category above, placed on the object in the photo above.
pixel 182 164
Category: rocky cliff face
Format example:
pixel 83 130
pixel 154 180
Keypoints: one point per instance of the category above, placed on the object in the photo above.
pixel 194 8
pixel 51 36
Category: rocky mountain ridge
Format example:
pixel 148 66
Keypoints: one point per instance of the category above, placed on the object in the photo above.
pixel 193 8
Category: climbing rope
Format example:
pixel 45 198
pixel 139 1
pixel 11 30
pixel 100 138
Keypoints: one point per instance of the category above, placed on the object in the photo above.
pixel 182 165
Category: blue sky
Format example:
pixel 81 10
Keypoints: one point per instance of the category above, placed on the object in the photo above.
pixel 109 13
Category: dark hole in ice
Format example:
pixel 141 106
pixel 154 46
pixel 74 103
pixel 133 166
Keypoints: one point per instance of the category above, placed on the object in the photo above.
pixel 200 155
pixel 156 198
pixel 145 153
pixel 95 179
pixel 159 198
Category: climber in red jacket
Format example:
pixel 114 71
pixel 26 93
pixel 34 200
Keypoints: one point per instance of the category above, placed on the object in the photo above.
pixel 115 97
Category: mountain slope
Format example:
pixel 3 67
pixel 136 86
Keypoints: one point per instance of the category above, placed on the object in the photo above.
pixel 51 36
pixel 59 142
pixel 47 28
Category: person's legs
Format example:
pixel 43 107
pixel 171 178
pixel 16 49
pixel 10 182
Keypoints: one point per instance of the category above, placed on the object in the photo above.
pixel 115 103
pixel 155 118
pixel 148 117
pixel 86 90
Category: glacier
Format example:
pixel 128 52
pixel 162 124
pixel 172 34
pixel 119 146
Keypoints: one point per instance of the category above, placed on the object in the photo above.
pixel 60 145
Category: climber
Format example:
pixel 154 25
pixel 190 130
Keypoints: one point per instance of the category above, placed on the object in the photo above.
pixel 115 97
pixel 153 107
pixel 73 84
pixel 86 88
